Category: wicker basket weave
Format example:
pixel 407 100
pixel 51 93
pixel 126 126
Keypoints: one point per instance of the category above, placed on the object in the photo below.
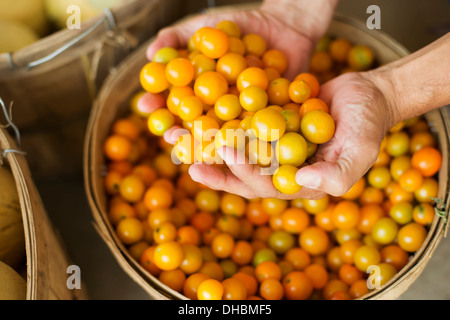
pixel 46 256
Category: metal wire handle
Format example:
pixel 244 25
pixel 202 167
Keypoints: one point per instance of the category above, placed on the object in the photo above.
pixel 10 123
pixel 109 17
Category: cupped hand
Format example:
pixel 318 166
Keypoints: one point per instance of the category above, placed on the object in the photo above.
pixel 361 108
pixel 362 114
pixel 292 41
pixel 295 44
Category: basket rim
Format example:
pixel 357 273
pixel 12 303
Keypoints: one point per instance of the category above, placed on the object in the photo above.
pixel 18 60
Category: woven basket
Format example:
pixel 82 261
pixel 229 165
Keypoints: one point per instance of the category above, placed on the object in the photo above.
pixel 112 103
pixel 54 81
pixel 46 257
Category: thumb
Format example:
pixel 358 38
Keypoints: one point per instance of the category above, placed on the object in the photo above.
pixel 333 178
pixel 177 35
pixel 167 37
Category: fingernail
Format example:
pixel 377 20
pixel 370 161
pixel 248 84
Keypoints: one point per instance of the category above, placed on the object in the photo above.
pixel 195 173
pixel 226 154
pixel 308 180
pixel 220 151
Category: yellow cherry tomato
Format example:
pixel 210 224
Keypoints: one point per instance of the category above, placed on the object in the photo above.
pixel 317 126
pixel 284 179
pixel 253 98
pixel 153 77
pixel 269 124
pixel 291 149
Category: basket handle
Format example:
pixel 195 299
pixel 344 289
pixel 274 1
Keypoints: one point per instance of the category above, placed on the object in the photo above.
pixel 109 17
pixel 10 123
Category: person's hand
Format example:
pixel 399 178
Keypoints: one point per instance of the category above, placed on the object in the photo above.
pixel 362 114
pixel 292 38
pixel 292 27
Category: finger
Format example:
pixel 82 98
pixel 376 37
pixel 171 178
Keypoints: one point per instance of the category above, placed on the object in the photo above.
pixel 249 174
pixel 149 102
pixel 171 135
pixel 173 37
pixel 257 180
pixel 176 36
pixel 336 177
pixel 218 179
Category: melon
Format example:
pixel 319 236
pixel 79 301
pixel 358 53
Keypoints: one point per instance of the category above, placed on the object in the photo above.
pixel 12 285
pixel 29 12
pixel 12 239
pixel 15 35
pixel 57 9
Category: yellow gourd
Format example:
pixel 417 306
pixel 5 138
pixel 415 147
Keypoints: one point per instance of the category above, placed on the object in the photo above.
pixel 12 285
pixel 15 35
pixel 12 240
pixel 57 9
pixel 28 12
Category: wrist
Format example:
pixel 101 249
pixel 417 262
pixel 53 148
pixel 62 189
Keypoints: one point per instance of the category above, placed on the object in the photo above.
pixel 417 83
pixel 385 81
pixel 309 18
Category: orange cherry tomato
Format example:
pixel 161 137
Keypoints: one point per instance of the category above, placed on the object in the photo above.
pixel 130 230
pixel 248 281
pixel 180 72
pixel 153 77
pixel 222 245
pixel 192 283
pixel 313 104
pixel 236 45
pixel 299 91
pixel 230 28
pixel 253 98
pixel 271 289
pixel 158 198
pixel 210 86
pixel 147 261
pixel 252 76
pixel 254 44
pixel 318 275
pixel 168 255
pixel 230 66
pixel 214 43
pixel 411 236
pixel 312 82
pixel 314 240
pixel 275 59
pixel 174 279
pixel 234 289
pixel 210 289
pixel 269 124
pixel 427 160
pixel 317 126
pixel 349 274
pixel 345 215
pixel 117 147
pixel 297 286
pixel 176 94
pixel 395 256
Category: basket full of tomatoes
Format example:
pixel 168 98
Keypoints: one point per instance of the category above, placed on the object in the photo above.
pixel 180 239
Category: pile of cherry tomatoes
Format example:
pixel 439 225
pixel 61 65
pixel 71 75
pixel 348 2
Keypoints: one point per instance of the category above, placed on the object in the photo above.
pixel 208 244
pixel 335 56
pixel 226 89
